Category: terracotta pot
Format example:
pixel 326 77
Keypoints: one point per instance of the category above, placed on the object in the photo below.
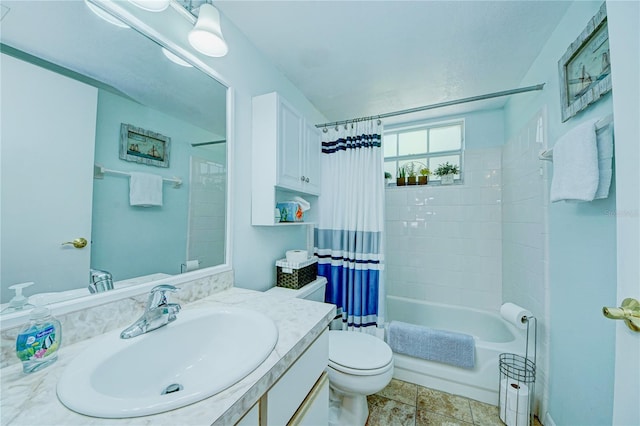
pixel 411 180
pixel 400 182
pixel 423 180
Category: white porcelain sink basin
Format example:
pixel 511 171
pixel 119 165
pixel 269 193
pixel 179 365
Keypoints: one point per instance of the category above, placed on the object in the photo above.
pixel 198 355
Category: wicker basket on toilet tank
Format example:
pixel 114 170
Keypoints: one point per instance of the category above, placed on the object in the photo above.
pixel 296 275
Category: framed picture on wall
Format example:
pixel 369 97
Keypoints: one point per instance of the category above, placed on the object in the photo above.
pixel 585 68
pixel 144 146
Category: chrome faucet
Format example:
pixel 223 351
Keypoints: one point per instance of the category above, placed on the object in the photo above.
pixel 100 281
pixel 156 314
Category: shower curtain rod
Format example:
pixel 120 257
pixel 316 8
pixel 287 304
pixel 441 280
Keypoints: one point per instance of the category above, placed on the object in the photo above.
pixel 439 105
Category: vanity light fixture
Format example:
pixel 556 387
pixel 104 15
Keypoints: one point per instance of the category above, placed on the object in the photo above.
pixel 206 35
pixel 106 16
pixel 151 5
pixel 175 58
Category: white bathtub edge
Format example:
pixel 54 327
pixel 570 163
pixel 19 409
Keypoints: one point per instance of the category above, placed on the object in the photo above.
pixel 405 370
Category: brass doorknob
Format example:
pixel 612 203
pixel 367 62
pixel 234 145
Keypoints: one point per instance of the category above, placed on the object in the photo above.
pixel 77 243
pixel 629 311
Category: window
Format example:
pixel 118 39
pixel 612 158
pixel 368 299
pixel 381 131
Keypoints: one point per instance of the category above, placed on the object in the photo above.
pixel 428 144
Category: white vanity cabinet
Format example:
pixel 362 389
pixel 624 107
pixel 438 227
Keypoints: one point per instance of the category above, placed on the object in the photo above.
pixel 301 395
pixel 285 158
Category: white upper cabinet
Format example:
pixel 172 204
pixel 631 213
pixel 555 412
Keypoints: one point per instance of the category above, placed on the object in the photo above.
pixel 298 149
pixel 285 157
pixel 311 154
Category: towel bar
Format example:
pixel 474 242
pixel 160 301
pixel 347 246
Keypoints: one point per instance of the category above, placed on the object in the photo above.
pixel 99 171
pixel 546 155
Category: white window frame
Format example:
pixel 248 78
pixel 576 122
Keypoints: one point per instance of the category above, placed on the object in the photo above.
pixel 420 125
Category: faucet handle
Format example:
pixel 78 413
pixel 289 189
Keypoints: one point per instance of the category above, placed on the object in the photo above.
pixel 158 296
pixel 163 288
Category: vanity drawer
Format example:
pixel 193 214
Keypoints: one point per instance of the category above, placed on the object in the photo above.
pixel 290 391
pixel 315 408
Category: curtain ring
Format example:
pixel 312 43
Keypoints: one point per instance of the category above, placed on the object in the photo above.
pixel 324 130
pixel 336 128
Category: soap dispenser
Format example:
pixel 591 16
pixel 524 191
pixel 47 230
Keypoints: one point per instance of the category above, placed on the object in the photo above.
pixel 38 342
pixel 19 302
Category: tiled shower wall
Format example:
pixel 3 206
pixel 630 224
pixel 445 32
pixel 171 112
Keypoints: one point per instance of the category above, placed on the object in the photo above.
pixel 481 243
pixel 444 243
pixel 525 204
pixel 207 212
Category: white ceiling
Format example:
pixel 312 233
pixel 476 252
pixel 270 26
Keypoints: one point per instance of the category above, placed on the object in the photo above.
pixel 361 58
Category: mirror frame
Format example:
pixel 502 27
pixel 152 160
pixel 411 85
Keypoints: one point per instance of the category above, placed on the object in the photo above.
pixel 129 15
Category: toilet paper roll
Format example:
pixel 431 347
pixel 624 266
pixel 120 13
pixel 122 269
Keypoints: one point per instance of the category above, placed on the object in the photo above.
pixel 296 256
pixel 191 265
pixel 518 397
pixel 515 314
pixel 503 400
pixel 514 402
pixel 517 418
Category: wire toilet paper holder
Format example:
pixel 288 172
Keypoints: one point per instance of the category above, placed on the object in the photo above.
pixel 517 381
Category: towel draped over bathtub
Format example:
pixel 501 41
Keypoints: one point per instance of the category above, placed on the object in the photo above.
pixel 431 344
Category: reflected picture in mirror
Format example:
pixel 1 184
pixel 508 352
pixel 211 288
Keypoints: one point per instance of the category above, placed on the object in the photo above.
pixel 65 96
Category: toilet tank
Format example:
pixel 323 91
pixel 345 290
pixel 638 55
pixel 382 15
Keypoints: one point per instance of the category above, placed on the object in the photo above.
pixel 312 291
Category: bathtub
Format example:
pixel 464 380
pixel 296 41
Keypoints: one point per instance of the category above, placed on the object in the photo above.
pixel 492 335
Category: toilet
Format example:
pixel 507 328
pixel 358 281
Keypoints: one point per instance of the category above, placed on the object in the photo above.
pixel 359 364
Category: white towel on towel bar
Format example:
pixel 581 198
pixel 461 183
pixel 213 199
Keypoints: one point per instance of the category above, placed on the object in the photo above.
pixel 575 165
pixel 604 137
pixel 145 189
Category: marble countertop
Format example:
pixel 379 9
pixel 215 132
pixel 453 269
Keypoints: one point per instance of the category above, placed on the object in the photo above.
pixel 30 399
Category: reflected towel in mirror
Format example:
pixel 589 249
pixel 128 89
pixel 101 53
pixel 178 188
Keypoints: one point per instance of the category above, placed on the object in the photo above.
pixel 145 189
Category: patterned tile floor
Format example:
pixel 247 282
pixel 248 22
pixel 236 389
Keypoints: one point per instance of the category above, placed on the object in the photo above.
pixel 406 404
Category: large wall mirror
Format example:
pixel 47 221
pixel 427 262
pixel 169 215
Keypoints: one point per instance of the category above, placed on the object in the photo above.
pixel 71 82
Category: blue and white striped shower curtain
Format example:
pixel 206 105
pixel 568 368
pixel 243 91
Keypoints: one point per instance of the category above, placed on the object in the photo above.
pixel 349 234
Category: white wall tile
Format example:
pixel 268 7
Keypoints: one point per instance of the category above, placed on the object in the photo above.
pixel 447 239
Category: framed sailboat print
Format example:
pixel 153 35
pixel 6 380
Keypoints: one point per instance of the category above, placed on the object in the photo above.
pixel 144 146
pixel 585 68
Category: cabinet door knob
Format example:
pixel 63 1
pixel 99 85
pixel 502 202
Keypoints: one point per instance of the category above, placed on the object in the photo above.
pixel 302 178
pixel 307 180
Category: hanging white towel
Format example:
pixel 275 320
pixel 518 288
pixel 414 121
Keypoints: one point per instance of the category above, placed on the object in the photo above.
pixel 604 137
pixel 575 165
pixel 145 189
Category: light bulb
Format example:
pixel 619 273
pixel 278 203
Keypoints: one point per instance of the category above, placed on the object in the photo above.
pixel 206 35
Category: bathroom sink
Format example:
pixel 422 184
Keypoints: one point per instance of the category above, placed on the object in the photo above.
pixel 201 353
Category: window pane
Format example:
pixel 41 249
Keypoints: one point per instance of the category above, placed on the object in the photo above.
pixel 389 145
pixel 434 162
pixel 404 164
pixel 412 142
pixel 390 166
pixel 447 138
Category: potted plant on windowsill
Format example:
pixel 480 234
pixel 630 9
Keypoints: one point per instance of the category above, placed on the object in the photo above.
pixel 423 179
pixel 411 173
pixel 387 178
pixel 446 172
pixel 400 178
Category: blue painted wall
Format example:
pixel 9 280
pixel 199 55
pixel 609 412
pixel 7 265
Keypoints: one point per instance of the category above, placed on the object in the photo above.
pixel 582 253
pixel 133 241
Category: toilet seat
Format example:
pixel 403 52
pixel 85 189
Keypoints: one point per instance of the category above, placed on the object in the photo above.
pixel 358 353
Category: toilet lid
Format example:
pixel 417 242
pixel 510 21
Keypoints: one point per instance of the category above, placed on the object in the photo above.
pixel 357 350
